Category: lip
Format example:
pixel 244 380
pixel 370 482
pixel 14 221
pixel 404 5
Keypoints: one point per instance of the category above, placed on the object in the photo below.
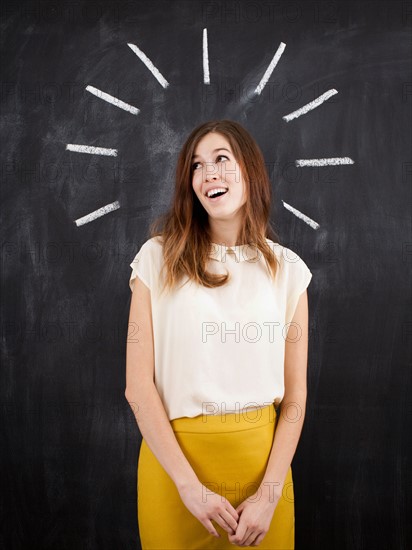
pixel 217 199
pixel 216 186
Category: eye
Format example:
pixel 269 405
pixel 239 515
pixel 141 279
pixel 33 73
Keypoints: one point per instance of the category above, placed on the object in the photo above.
pixel 194 165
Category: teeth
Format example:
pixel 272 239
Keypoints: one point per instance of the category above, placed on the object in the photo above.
pixel 214 191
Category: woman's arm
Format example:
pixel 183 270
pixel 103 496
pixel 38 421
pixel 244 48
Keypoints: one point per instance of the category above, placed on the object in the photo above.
pixel 142 394
pixel 293 405
pixel 154 424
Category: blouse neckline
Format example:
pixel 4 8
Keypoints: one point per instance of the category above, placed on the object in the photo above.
pixel 240 252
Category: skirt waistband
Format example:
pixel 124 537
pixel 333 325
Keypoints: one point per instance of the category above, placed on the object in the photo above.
pixel 231 422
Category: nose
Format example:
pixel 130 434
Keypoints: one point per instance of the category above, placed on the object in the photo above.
pixel 212 172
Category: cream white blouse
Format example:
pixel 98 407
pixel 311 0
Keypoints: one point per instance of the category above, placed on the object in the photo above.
pixel 221 350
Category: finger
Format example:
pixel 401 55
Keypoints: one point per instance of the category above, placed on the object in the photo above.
pixel 258 540
pixel 239 535
pixel 232 510
pixel 251 538
pixel 224 525
pixel 239 508
pixel 228 518
pixel 210 527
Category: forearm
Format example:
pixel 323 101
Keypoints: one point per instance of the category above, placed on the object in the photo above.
pixel 287 434
pixel 156 430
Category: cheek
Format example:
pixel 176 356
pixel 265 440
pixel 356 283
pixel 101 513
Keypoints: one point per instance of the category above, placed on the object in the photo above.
pixel 196 182
pixel 233 172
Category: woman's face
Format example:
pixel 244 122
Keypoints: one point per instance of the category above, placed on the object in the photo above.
pixel 215 167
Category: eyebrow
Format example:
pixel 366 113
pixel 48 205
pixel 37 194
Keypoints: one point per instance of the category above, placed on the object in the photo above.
pixel 214 151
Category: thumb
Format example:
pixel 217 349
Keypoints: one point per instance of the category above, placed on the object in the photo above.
pixel 240 507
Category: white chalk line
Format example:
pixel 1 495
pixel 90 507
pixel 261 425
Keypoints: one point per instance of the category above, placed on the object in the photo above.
pixel 156 73
pixel 270 68
pixel 206 77
pixel 113 100
pixel 301 216
pixel 309 106
pixel 324 162
pixel 91 150
pixel 98 213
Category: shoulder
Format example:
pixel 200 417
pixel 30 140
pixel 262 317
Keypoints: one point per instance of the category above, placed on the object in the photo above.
pixel 152 247
pixel 151 251
pixel 154 243
pixel 147 262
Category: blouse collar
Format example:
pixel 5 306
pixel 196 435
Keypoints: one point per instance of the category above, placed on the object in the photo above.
pixel 239 253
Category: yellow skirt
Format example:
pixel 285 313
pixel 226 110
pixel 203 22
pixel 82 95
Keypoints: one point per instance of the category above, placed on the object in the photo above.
pixel 229 454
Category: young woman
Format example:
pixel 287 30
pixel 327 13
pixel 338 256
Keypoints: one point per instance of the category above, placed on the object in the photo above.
pixel 217 356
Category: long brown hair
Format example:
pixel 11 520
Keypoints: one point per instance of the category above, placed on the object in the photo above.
pixel 184 229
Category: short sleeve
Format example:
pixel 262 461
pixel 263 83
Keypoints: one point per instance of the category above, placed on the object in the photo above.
pixel 142 265
pixel 298 279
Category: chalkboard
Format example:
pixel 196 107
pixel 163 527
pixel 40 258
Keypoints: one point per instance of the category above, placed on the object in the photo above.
pixel 97 99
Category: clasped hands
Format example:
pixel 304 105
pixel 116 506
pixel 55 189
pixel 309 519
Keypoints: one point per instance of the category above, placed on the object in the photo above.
pixel 255 516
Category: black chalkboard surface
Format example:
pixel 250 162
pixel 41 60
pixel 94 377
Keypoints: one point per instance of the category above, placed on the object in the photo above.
pixel 326 90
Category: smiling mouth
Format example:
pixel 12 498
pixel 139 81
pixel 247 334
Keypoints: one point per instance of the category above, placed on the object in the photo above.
pixel 217 196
